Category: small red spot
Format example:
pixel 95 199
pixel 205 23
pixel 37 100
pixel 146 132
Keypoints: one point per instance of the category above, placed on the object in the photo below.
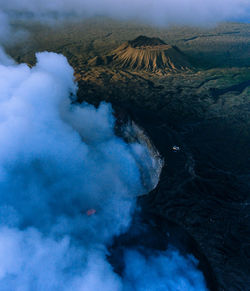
pixel 91 212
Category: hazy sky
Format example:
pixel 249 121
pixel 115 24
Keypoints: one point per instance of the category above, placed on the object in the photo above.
pixel 155 11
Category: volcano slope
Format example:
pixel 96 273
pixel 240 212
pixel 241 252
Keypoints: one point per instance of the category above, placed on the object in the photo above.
pixel 145 54
pixel 202 106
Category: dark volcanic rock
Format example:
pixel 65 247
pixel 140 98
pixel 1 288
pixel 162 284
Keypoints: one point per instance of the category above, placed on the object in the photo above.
pixel 142 41
pixel 205 186
pixel 150 233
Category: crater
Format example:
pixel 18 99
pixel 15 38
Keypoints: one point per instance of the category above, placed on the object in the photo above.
pixel 145 54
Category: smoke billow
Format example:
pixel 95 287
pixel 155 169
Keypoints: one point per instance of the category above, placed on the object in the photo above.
pixel 57 161
pixel 159 268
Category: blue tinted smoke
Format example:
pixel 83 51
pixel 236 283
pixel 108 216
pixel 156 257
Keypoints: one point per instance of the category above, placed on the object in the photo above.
pixel 57 161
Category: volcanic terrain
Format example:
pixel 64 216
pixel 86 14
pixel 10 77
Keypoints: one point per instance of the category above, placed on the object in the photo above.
pixel 145 54
pixel 185 87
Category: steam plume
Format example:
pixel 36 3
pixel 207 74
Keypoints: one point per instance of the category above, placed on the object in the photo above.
pixel 57 160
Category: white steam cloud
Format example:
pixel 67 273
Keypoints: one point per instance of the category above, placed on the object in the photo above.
pixel 57 161
pixel 160 268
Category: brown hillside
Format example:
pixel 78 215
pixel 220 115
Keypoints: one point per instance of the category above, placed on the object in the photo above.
pixel 145 54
